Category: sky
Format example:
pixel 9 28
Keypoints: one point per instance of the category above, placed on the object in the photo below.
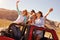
pixel 37 5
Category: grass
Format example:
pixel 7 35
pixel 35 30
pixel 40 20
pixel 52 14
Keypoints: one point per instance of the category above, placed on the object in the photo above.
pixel 4 23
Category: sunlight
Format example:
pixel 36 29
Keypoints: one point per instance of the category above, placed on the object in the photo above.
pixel 1 1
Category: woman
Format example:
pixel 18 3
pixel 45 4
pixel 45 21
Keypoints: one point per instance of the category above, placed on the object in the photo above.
pixel 22 16
pixel 32 19
pixel 39 22
pixel 30 16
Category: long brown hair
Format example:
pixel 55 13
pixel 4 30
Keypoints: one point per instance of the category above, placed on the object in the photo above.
pixel 40 13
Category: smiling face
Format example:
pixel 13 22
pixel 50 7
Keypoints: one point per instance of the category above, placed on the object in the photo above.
pixel 34 16
pixel 33 11
pixel 39 14
pixel 24 13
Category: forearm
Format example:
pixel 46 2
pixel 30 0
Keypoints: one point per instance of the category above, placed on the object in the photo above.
pixel 17 8
pixel 49 11
pixel 18 11
pixel 47 14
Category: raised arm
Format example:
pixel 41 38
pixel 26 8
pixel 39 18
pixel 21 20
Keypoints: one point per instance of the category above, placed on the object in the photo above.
pixel 17 7
pixel 49 11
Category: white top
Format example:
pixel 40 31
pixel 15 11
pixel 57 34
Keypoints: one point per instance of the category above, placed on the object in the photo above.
pixel 20 19
pixel 39 22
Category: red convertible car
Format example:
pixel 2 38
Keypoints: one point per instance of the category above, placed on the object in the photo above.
pixel 28 34
pixel 51 31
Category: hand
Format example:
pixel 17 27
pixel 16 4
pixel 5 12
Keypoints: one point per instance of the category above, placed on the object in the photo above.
pixel 51 9
pixel 18 1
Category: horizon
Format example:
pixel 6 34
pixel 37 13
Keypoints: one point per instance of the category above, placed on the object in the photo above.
pixel 42 5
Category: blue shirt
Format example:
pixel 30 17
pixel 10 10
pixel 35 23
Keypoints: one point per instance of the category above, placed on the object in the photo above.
pixel 39 22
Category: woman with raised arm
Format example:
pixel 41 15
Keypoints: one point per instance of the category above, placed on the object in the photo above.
pixel 22 16
pixel 14 27
pixel 40 21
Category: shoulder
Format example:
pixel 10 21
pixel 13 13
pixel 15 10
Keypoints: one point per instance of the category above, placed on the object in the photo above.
pixel 42 18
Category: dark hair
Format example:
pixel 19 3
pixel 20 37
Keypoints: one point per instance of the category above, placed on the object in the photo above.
pixel 33 11
pixel 40 13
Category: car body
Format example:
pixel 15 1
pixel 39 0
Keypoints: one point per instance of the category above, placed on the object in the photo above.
pixel 54 35
pixel 28 34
